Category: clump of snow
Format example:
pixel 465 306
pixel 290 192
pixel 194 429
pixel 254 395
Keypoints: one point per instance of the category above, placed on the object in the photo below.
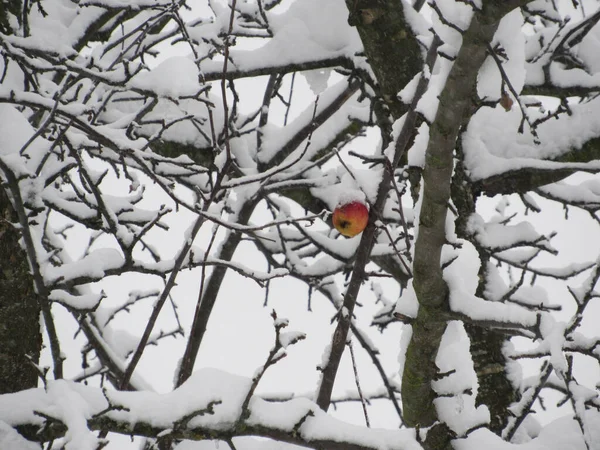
pixel 348 196
pixel 456 404
pixel 361 186
pixel 416 154
pixel 280 415
pixel 10 439
pixel 553 334
pixel 291 337
pixel 15 132
pixel 407 304
pixel 562 434
pixel 88 301
pixel 93 265
pixel 176 76
pixel 323 426
pixel 462 279
pixel 497 236
pixel 317 79
pixel 404 341
pixel 74 410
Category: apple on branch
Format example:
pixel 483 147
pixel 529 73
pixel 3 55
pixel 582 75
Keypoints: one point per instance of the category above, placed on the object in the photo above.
pixel 351 218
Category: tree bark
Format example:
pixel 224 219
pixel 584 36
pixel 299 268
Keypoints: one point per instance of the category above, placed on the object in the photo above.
pixel 494 389
pixel 20 333
pixel 392 51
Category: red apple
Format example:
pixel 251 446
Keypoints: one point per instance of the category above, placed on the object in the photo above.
pixel 351 218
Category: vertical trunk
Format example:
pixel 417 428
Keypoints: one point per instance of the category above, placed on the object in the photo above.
pixel 495 390
pixel 20 333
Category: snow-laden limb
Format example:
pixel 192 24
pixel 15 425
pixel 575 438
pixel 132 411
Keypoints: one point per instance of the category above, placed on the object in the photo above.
pixel 103 263
pixel 496 237
pixel 492 147
pixel 207 406
pixel 556 134
pixel 326 37
pixel 585 195
pixel 518 246
pixel 462 279
pixel 558 342
pixel 560 434
pixel 556 64
pixel 85 302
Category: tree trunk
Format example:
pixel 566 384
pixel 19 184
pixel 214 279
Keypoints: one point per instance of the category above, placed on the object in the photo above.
pixel 20 333
pixel 495 390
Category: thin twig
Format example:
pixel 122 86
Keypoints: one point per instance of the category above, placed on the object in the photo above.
pixel 362 398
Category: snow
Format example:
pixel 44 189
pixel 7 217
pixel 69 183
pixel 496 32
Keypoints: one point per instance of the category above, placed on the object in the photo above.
pixel 561 434
pixel 407 304
pixel 342 249
pixel 275 139
pixel 323 35
pixel 207 390
pixel 587 192
pixel 290 338
pixel 73 410
pixel 280 415
pixel 416 154
pixel 88 301
pixel 101 111
pixel 15 133
pixel 455 405
pixel 322 426
pixel 349 188
pixel 405 338
pixel 317 79
pixel 536 296
pixel 11 439
pixel 498 236
pixel 462 279
pixel 492 146
pixel 73 403
pixel 93 266
pixel 513 45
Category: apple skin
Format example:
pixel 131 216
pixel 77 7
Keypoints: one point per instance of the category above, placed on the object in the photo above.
pixel 351 218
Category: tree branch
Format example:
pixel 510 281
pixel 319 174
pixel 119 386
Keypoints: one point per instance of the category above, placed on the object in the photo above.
pixel 340 334
pixel 455 106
